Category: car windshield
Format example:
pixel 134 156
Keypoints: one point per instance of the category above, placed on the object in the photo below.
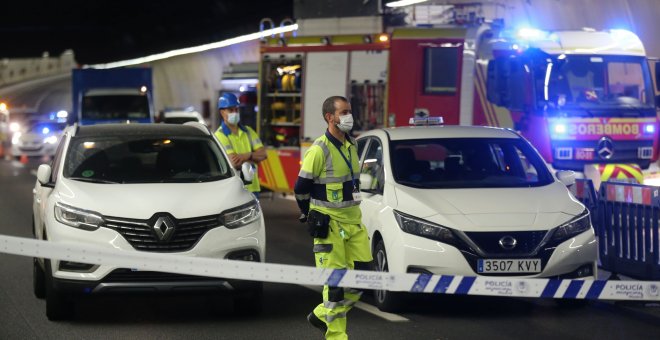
pixel 45 128
pixel 116 107
pixel 179 120
pixel 145 159
pixel 467 163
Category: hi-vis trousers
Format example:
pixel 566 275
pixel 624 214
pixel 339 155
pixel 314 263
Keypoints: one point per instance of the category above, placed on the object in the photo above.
pixel 345 245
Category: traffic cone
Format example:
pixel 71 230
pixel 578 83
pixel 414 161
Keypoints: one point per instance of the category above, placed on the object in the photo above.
pixel 24 159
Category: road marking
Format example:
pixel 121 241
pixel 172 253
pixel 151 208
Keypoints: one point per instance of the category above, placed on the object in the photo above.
pixel 368 308
pixel 33 172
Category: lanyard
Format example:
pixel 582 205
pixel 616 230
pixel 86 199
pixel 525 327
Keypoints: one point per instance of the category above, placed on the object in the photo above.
pixel 348 162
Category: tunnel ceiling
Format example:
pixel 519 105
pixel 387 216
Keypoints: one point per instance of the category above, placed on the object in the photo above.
pixel 110 30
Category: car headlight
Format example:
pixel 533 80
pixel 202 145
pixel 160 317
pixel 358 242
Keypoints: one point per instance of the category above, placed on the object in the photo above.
pixel 419 227
pixel 77 218
pixel 578 225
pixel 241 215
pixel 50 140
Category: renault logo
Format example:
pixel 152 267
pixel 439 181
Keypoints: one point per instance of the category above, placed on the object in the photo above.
pixel 508 242
pixel 605 148
pixel 164 228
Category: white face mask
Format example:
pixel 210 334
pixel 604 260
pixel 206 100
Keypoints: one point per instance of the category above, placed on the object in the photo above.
pixel 233 118
pixel 345 123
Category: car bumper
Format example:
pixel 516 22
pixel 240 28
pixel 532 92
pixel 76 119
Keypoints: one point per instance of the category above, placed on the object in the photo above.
pixel 218 243
pixel 424 255
pixel 154 283
pixel 45 150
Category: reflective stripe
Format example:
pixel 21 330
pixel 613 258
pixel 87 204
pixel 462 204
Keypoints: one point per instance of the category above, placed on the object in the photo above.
pixel 327 204
pixel 322 248
pixel 303 197
pixel 229 147
pixel 305 174
pixel 329 168
pixel 333 305
pixel 331 317
pixel 256 141
pixel 333 180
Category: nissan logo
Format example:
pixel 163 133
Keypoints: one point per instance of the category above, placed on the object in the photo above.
pixel 164 228
pixel 605 148
pixel 508 242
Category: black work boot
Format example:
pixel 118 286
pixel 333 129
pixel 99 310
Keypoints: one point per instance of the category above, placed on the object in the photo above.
pixel 316 322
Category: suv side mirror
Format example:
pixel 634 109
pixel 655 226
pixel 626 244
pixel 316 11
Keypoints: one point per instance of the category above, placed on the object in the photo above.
pixel 365 181
pixel 567 177
pixel 43 174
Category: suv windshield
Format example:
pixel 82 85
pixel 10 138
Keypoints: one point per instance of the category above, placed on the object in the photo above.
pixel 467 163
pixel 145 159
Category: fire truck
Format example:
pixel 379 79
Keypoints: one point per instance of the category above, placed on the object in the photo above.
pixel 584 98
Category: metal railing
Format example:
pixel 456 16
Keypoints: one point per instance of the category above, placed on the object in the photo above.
pixel 626 221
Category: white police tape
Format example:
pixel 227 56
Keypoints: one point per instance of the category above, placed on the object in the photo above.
pixel 303 275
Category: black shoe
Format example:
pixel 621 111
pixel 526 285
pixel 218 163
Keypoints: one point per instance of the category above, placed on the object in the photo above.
pixel 316 322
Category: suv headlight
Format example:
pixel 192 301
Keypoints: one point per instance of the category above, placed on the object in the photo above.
pixel 241 215
pixel 77 218
pixel 578 225
pixel 419 227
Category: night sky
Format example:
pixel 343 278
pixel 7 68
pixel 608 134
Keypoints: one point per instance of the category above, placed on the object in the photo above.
pixel 111 30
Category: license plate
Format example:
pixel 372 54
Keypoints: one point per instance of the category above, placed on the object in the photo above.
pixel 509 266
pixel 585 154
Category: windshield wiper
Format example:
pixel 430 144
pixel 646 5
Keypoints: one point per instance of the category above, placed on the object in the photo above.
pixel 93 180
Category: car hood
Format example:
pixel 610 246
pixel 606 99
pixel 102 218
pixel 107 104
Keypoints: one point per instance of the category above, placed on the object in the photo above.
pixel 141 201
pixel 491 208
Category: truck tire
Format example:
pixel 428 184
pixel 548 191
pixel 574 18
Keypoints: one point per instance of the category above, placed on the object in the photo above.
pixel 385 300
pixel 58 306
pixel 250 304
pixel 38 280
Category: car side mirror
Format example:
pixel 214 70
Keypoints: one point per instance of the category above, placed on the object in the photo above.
pixel 43 174
pixel 365 181
pixel 247 172
pixel 567 177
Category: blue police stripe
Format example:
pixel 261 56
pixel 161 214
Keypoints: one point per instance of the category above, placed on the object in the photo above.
pixel 421 282
pixel 595 289
pixel 335 277
pixel 443 284
pixel 573 289
pixel 551 288
pixel 465 285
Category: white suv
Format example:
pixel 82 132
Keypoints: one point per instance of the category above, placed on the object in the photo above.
pixel 143 188
pixel 473 201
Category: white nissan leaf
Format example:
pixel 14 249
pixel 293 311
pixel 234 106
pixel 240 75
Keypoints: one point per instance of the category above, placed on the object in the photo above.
pixel 472 201
pixel 143 188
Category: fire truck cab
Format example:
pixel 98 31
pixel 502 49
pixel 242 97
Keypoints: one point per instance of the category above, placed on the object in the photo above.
pixel 585 99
